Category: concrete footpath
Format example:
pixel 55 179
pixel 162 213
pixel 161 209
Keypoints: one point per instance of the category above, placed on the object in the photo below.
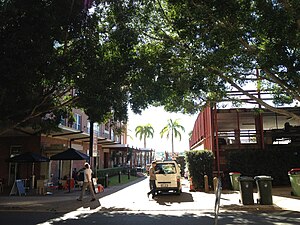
pixel 64 201
pixel 282 201
pixel 58 201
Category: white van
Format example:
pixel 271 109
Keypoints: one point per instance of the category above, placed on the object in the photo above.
pixel 168 177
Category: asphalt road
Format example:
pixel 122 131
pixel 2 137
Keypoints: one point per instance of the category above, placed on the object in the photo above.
pixel 146 218
pixel 131 206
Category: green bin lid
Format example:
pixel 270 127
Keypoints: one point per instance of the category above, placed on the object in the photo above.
pixel 245 178
pixel 263 178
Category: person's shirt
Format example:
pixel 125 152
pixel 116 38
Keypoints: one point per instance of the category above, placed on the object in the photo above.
pixel 152 175
pixel 74 175
pixel 87 175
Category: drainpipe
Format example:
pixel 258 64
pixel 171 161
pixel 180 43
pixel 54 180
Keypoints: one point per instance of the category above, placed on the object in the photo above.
pixel 217 139
pixel 238 135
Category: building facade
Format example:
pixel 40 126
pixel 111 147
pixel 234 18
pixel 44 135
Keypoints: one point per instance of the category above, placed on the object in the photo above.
pixel 242 128
pixel 73 133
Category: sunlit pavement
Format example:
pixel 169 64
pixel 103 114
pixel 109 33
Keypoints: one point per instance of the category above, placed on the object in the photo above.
pixel 134 198
pixel 137 200
pixel 130 205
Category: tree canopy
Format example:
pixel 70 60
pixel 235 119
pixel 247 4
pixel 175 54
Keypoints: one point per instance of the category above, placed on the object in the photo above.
pixel 201 50
pixel 62 54
pixel 103 55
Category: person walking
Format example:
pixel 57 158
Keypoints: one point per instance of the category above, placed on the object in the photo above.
pixel 152 179
pixel 87 182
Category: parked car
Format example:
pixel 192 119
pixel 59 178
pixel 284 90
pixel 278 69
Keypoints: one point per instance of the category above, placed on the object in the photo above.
pixel 168 177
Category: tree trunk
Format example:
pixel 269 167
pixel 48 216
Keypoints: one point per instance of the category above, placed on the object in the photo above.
pixel 172 143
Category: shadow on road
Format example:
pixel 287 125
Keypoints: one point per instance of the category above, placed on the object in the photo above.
pixel 124 217
pixel 169 198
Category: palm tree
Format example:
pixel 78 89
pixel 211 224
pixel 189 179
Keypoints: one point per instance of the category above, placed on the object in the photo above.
pixel 144 132
pixel 172 127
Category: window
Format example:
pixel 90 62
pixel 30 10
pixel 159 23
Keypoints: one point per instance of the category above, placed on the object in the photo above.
pixel 63 121
pixel 106 128
pixel 77 123
pixel 166 168
pixel 96 129
pixel 15 150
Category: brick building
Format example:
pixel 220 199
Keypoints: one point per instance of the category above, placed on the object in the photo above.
pixel 72 134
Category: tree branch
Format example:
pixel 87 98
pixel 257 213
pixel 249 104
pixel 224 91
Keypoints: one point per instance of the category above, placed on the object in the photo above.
pixel 37 114
pixel 258 100
pixel 291 90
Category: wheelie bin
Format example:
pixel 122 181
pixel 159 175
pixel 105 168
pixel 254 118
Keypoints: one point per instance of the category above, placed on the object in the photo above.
pixel 234 176
pixel 264 188
pixel 246 190
pixel 294 175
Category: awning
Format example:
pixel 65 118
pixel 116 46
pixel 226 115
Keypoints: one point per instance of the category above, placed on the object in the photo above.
pixel 70 154
pixel 28 157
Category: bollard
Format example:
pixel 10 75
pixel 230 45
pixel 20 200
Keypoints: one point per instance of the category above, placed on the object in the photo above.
pixel 32 181
pixel 192 188
pixel 215 183
pixel 120 177
pixel 206 188
pixel 106 180
pixel 128 174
